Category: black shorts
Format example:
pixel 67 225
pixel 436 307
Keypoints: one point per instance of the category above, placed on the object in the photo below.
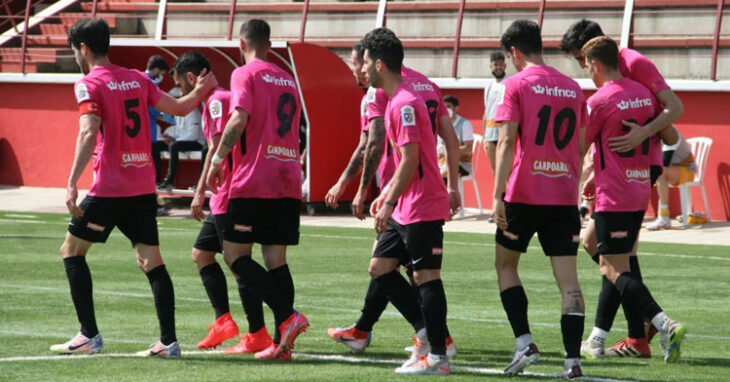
pixel 557 227
pixel 420 243
pixel 617 231
pixel 263 221
pixel 654 172
pixel 210 237
pixel 136 217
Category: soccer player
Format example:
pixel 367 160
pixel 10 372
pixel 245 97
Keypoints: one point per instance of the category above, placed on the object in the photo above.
pixel 114 130
pixel 265 190
pixel 622 192
pixel 633 65
pixel 545 111
pixel 410 212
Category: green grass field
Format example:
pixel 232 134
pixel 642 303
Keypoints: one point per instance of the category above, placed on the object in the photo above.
pixel 330 273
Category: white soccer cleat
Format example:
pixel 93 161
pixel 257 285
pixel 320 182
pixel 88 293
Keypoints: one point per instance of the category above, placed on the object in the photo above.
pixel 157 349
pixel 80 344
pixel 660 223
pixel 523 358
pixel 451 351
pixel 672 337
pixel 429 365
pixel 593 349
pixel 420 351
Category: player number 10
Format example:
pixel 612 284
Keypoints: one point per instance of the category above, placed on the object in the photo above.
pixel 563 114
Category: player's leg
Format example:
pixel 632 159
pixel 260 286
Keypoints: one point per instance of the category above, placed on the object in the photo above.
pixel 663 220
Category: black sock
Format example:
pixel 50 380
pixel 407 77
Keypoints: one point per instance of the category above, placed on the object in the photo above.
pixel 215 285
pixel 433 308
pixel 514 301
pixel 634 266
pixel 635 298
pixel 572 329
pixel 375 303
pixel 164 303
pixel 255 277
pixel 596 258
pixel 79 281
pixel 652 309
pixel 414 285
pixel 283 280
pixel 401 296
pixel 252 306
pixel 608 302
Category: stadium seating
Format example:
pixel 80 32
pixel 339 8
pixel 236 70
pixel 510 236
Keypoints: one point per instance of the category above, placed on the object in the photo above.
pixel 700 147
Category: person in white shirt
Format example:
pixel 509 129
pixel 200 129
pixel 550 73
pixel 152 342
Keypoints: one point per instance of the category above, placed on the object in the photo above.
pixel 464 132
pixel 493 94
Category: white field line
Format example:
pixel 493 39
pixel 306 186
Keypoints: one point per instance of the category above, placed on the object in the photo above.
pixel 331 357
pixel 21 216
pixel 316 307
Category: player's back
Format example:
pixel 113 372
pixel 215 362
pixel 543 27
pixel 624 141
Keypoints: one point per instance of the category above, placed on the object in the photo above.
pixel 122 159
pixel 622 179
pixel 550 109
pixel 429 93
pixel 267 164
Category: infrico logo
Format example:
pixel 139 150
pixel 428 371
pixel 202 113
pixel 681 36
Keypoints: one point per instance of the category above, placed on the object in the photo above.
pixel 635 103
pixel 123 86
pixel 554 91
pixel 278 81
pixel 421 87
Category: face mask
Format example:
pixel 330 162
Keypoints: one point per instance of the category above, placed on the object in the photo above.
pixel 451 112
pixel 157 79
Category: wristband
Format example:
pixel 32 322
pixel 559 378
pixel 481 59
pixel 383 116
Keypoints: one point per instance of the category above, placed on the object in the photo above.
pixel 391 203
pixel 216 159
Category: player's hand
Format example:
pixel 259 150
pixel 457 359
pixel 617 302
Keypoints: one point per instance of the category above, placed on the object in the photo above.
pixel 377 204
pixel 358 205
pixel 628 141
pixel 206 81
pixel 333 195
pixel 454 201
pixel 215 177
pixel 72 193
pixel 589 189
pixel 498 213
pixel 384 211
pixel 196 207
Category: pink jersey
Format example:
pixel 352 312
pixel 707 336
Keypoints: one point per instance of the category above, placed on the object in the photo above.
pixel 266 165
pixel 429 93
pixel 364 120
pixel 122 158
pixel 407 121
pixel 215 117
pixel 634 65
pixel 550 109
pixel 622 179
pixel 377 101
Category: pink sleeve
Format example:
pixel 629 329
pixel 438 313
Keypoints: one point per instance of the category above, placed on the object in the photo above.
pixel 593 121
pixel 405 125
pixel 86 91
pixel 442 110
pixel 642 70
pixel 377 102
pixel 241 91
pixel 509 108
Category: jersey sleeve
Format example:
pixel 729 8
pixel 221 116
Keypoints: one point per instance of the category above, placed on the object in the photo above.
pixel 593 121
pixel 377 102
pixel 641 69
pixel 467 131
pixel 405 125
pixel 214 115
pixel 442 110
pixel 241 91
pixel 87 98
pixel 508 105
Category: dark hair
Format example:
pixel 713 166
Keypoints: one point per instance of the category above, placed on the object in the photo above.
pixel 359 47
pixel 578 35
pixel 603 49
pixel 382 44
pixel 451 99
pixel 191 62
pixel 496 56
pixel 256 32
pixel 157 62
pixel 92 32
pixel 524 35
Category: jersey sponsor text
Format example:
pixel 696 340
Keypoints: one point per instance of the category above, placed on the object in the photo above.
pixel 553 168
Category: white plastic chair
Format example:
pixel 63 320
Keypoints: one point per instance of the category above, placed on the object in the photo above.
pixel 700 147
pixel 476 151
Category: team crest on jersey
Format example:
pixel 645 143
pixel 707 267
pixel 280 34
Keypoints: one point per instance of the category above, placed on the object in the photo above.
pixel 216 109
pixel 82 92
pixel 408 115
pixel 364 107
pixel 371 94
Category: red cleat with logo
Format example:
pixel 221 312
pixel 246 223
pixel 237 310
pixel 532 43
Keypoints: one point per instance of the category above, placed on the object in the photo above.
pixel 222 329
pixel 251 343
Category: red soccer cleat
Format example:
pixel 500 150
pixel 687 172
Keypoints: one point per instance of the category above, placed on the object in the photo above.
pixel 251 343
pixel 272 352
pixel 630 347
pixel 222 329
pixel 295 325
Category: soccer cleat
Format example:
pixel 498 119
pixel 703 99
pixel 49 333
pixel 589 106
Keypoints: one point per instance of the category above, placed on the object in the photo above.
pixel 295 325
pixel 157 349
pixel 222 329
pixel 573 372
pixel 660 223
pixel 251 343
pixel 630 347
pixel 428 365
pixel 523 358
pixel 650 330
pixel 592 349
pixel 451 351
pixel 273 352
pixel 80 344
pixel 420 351
pixel 355 339
pixel 672 337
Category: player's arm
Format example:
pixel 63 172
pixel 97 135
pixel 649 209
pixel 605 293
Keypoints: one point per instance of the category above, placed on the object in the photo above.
pixel 196 206
pixel 451 143
pixel 669 136
pixel 673 109
pixel 231 135
pixel 503 168
pixel 350 173
pixel 185 104
pixel 386 202
pixel 89 125
pixel 371 159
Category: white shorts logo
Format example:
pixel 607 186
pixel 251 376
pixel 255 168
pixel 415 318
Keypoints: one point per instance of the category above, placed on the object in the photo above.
pixel 510 235
pixel 242 228
pixel 619 234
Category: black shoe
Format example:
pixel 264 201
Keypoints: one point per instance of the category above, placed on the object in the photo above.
pixel 165 186
pixel 573 372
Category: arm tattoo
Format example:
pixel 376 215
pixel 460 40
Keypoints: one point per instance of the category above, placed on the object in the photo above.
pixel 357 158
pixel 373 151
pixel 230 137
